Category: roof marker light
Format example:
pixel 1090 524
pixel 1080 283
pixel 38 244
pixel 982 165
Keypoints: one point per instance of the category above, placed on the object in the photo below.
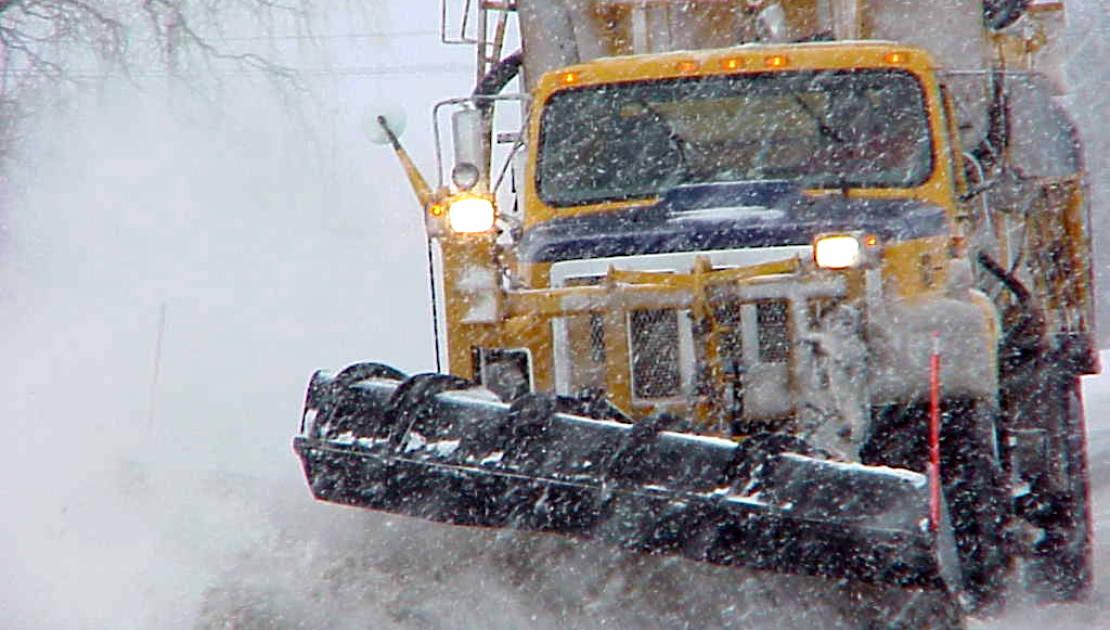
pixel 897 58
pixel 568 78
pixel 776 61
pixel 687 66
pixel 732 63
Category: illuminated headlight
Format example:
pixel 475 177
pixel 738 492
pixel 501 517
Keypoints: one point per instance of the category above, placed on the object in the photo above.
pixel 470 215
pixel 837 252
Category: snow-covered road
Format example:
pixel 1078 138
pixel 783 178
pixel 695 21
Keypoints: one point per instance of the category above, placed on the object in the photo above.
pixel 368 570
pixel 140 543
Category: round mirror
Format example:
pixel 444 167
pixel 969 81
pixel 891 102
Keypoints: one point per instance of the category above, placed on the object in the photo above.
pixel 465 175
pixel 394 118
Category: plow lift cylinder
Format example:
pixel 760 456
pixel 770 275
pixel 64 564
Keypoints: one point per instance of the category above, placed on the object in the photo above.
pixel 432 446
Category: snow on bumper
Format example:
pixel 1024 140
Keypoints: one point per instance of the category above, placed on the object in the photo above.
pixel 901 339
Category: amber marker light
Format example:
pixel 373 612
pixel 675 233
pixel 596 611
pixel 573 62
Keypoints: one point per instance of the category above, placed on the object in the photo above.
pixel 870 240
pixel 437 209
pixel 687 66
pixel 732 63
pixel 897 58
pixel 776 61
pixel 568 78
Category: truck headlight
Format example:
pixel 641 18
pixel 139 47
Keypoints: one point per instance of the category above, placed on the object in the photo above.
pixel 470 215
pixel 837 252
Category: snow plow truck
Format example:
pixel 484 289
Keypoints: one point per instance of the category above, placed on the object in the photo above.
pixel 796 285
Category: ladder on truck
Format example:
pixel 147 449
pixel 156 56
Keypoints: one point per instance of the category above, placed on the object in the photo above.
pixel 480 23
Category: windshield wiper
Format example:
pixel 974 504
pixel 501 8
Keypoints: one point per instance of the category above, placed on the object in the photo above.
pixel 822 125
pixel 677 141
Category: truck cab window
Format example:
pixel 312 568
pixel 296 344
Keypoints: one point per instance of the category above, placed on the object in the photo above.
pixel 823 129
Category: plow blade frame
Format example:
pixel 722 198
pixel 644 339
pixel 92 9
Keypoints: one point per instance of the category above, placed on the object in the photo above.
pixel 463 457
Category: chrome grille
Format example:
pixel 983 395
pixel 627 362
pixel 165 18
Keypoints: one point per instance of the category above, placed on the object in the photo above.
pixel 597 338
pixel 730 337
pixel 773 322
pixel 655 355
pixel 584 356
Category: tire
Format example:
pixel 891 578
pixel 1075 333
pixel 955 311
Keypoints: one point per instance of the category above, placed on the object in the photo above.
pixel 972 478
pixel 1060 567
pixel 978 500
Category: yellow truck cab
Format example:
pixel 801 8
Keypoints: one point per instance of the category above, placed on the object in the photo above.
pixel 829 164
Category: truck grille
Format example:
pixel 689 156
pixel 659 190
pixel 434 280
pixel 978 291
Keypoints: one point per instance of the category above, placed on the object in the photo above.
pixel 585 338
pixel 655 355
pixel 730 338
pixel 769 332
pixel 773 321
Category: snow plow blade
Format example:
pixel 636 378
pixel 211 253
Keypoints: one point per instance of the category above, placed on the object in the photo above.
pixel 428 447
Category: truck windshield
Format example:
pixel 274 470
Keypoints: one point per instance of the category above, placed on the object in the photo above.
pixel 831 129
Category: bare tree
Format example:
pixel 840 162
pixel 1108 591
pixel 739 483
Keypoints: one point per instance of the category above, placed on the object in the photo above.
pixel 43 42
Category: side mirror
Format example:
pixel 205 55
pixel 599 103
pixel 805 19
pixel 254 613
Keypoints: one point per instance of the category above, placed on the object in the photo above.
pixel 394 119
pixel 466 136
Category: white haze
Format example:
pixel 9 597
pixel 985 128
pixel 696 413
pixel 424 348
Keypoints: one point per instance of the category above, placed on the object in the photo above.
pixel 262 273
pixel 273 245
pixel 276 242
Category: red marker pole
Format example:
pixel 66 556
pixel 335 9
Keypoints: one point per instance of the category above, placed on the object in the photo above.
pixel 934 434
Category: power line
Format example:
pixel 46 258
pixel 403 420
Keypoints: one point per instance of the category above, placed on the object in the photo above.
pixel 445 68
pixel 326 36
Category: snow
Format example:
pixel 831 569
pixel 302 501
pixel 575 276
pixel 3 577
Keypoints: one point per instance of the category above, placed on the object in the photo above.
pixel 752 499
pixel 371 442
pixel 493 458
pixel 444 448
pixel 730 213
pixel 132 504
pixel 278 243
pixel 703 439
pixel 345 438
pixel 414 442
pixel 475 394
pixel 309 419
pixel 917 479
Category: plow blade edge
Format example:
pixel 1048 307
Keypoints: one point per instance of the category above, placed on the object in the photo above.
pixel 425 448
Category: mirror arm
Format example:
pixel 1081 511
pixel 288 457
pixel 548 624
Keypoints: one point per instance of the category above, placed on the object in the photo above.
pixel 416 180
pixel 978 190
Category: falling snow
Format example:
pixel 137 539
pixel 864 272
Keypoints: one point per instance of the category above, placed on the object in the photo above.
pixel 276 241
